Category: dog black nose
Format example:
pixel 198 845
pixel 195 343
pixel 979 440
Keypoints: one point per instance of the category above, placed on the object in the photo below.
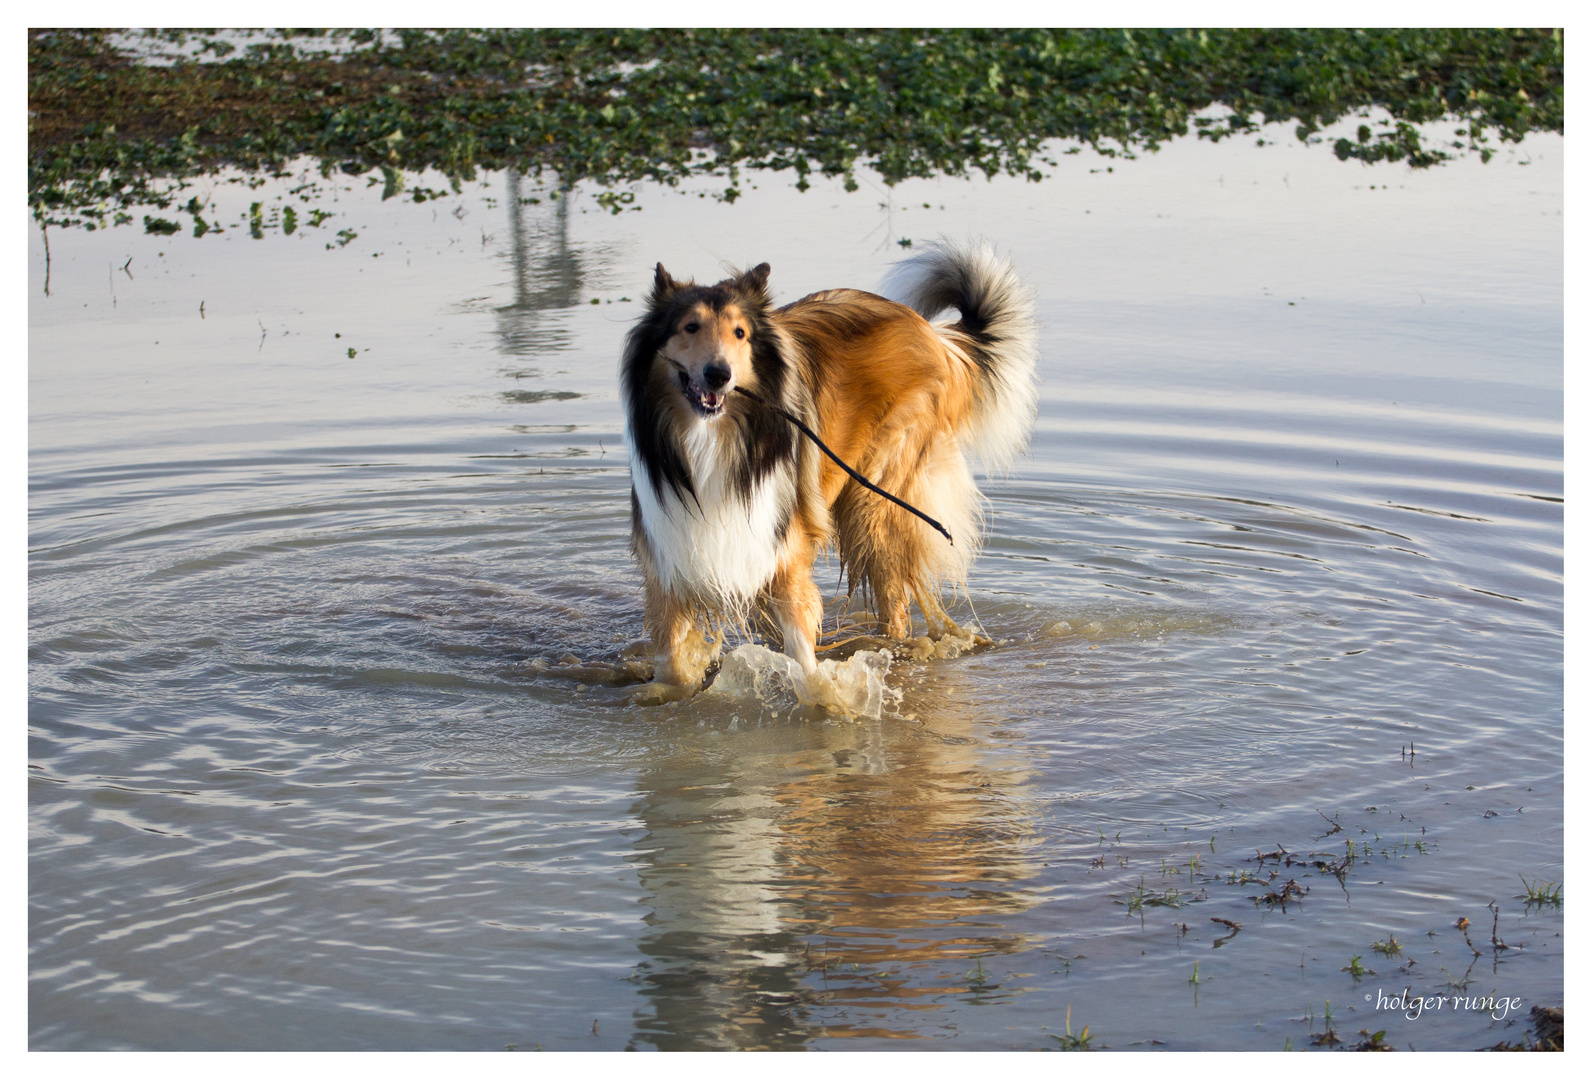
pixel 716 375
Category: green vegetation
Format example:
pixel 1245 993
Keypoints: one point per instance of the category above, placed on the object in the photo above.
pixel 1541 893
pixel 1390 947
pixel 1142 898
pixel 1328 1036
pixel 1070 1041
pixel 107 132
pixel 1374 1041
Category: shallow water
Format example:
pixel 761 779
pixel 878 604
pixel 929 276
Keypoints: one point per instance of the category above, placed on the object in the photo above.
pixel 322 754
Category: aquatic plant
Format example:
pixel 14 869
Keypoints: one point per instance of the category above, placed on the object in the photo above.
pixel 1541 893
pixel 1069 1041
pixel 1390 947
pixel 1141 898
pixel 107 131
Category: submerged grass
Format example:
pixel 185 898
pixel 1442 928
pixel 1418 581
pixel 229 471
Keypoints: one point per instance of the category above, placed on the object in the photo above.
pixel 1541 893
pixel 1142 898
pixel 1069 1041
pixel 1390 947
pixel 107 131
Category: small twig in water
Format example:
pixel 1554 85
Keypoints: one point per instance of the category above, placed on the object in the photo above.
pixel 1464 928
pixel 1498 946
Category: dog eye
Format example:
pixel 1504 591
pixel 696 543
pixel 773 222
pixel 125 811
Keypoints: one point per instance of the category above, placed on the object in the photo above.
pixel 691 328
pixel 740 333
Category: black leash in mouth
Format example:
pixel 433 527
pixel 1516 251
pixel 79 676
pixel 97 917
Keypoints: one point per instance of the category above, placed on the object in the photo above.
pixel 853 473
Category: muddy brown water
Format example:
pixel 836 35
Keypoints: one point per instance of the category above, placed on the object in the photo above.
pixel 311 516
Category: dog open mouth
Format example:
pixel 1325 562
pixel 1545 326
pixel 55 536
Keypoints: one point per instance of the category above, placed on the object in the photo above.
pixel 705 402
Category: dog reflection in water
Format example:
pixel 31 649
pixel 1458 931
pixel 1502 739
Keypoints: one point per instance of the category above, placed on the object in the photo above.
pixel 730 503
pixel 834 880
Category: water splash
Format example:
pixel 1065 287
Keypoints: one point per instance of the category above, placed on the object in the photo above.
pixel 946 647
pixel 853 687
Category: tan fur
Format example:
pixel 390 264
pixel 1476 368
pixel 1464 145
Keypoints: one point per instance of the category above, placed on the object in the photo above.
pixel 891 395
pixel 702 335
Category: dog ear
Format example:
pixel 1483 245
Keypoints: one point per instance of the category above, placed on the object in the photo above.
pixel 754 283
pixel 663 285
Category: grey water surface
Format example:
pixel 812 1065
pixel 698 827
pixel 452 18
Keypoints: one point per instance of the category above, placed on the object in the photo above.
pixel 311 514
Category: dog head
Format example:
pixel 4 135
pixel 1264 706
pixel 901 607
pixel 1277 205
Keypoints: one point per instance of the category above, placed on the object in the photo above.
pixel 708 334
pixel 683 360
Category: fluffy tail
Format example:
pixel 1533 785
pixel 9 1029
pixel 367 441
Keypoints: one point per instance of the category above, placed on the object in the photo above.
pixel 996 330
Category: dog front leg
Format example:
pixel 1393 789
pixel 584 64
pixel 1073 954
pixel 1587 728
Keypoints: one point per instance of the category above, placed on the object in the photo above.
pixel 668 624
pixel 797 606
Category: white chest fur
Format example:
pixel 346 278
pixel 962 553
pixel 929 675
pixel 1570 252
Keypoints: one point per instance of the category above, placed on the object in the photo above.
pixel 728 547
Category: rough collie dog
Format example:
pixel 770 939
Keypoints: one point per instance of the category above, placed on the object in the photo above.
pixel 730 503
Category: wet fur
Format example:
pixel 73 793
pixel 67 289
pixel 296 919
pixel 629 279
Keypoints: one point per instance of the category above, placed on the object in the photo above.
pixel 730 504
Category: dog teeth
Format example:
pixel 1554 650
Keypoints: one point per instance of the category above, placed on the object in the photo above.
pixel 705 401
pixel 708 401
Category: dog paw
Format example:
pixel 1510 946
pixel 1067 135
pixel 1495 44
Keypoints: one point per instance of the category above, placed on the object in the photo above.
pixel 947 645
pixel 660 693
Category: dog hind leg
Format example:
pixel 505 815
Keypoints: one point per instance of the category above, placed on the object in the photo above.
pixel 873 538
pixel 946 486
pixel 901 558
